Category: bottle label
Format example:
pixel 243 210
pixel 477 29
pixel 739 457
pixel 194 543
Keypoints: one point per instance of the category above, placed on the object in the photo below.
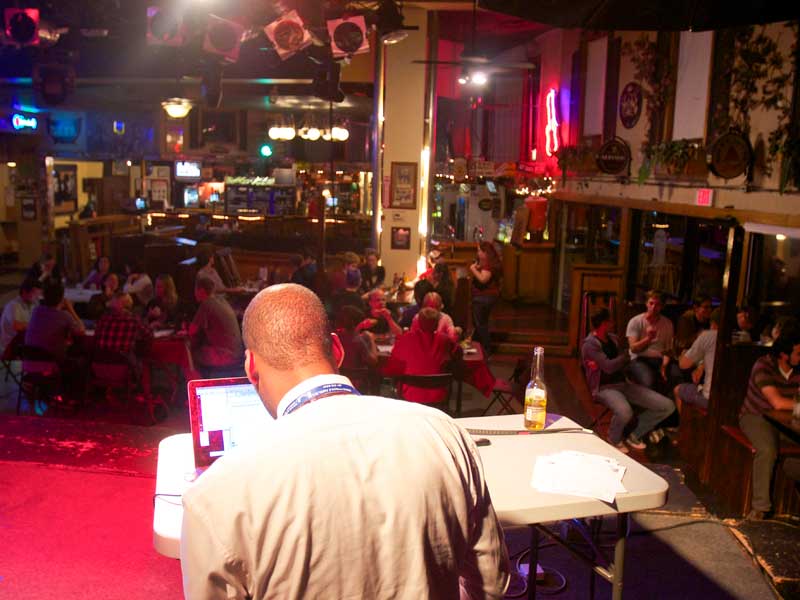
pixel 535 394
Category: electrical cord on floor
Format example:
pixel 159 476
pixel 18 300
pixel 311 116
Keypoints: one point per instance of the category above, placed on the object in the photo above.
pixel 545 591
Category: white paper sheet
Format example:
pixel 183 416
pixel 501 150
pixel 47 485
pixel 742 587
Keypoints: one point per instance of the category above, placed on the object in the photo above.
pixel 579 474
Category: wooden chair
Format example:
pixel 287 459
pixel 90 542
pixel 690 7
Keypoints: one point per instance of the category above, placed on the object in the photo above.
pixel 428 382
pixel 44 379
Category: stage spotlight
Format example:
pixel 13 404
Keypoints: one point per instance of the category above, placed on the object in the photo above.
pixel 22 26
pixel 348 36
pixel 223 38
pixel 288 35
pixel 326 83
pixel 390 23
pixel 164 28
pixel 479 78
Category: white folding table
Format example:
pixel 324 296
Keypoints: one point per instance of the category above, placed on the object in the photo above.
pixel 508 465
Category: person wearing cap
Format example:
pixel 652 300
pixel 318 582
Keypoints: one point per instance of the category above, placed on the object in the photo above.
pixel 700 357
pixel 350 294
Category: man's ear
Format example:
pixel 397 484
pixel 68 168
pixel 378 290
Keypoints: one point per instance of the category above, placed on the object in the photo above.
pixel 338 350
pixel 250 367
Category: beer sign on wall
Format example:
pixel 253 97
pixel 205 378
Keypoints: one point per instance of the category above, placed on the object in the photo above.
pixel 614 157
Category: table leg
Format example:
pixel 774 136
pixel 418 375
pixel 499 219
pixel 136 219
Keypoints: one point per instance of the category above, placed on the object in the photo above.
pixel 533 562
pixel 623 525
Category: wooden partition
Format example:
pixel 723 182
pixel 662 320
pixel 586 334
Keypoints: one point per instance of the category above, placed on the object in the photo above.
pixel 598 279
pixel 91 238
pixel 528 272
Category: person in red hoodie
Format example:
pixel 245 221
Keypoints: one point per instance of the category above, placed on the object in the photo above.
pixel 422 351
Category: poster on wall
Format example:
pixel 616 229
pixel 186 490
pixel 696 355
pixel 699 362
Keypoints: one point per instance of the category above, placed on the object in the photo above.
pixel 404 185
pixel 65 180
pixel 401 238
pixel 159 190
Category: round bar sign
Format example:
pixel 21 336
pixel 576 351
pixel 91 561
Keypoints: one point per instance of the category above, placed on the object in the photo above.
pixel 614 157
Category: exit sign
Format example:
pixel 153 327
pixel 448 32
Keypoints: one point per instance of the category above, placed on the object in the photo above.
pixel 704 197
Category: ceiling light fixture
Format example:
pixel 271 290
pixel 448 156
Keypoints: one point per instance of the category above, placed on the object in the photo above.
pixel 479 78
pixel 463 79
pixel 177 108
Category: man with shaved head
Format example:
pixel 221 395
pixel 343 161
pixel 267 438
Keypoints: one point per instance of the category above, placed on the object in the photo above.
pixel 346 496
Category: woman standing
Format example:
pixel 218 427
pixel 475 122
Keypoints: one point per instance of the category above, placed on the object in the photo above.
pixel 486 273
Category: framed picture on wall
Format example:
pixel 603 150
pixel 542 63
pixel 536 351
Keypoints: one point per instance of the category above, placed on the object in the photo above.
pixel 401 238
pixel 403 190
pixel 65 198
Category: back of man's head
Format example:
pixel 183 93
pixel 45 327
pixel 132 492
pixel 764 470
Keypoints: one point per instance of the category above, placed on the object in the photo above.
pixel 432 300
pixel 286 326
pixel 121 301
pixel 600 317
pixel 428 319
pixel 53 294
pixel 348 316
pixel 28 285
pixel 205 284
pixel 421 288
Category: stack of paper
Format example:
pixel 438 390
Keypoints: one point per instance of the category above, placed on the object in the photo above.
pixel 579 474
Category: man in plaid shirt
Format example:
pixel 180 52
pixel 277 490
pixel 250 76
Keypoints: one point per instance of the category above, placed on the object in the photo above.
pixel 119 331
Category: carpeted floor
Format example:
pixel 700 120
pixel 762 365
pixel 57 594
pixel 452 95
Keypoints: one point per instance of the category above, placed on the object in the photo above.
pixel 121 449
pixel 70 533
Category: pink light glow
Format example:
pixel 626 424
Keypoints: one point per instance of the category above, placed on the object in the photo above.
pixel 551 129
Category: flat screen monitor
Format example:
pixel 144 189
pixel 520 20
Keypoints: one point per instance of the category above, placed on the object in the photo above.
pixel 187 169
pixel 141 203
pixel 190 197
pixel 213 197
pixel 331 202
pixel 491 187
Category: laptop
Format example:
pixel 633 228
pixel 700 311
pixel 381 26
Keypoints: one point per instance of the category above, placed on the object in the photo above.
pixel 224 413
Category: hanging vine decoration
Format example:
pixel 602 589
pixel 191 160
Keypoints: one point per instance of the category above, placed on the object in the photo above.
pixel 759 76
pixel 658 86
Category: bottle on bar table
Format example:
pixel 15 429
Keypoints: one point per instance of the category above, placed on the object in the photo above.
pixel 536 393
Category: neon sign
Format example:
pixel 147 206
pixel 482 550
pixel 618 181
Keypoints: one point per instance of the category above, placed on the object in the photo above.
pixel 19 121
pixel 551 129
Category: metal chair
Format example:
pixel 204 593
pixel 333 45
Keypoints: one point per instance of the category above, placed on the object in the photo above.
pixel 11 354
pixel 504 390
pixel 40 373
pixel 428 382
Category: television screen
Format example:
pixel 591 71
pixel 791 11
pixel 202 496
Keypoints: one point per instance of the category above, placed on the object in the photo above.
pixel 214 197
pixel 141 203
pixel 190 197
pixel 491 187
pixel 187 169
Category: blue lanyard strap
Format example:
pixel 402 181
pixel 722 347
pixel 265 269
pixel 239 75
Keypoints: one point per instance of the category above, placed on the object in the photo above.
pixel 321 391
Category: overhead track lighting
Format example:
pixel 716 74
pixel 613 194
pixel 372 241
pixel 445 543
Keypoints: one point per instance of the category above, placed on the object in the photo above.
pixel 390 23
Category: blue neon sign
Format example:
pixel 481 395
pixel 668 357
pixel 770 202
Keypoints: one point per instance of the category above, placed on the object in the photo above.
pixel 20 122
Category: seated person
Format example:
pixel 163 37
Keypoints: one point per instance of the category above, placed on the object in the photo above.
pixel 52 325
pixel 338 277
pixel 650 344
pixel 305 269
pixel 746 320
pixel 17 312
pixel 350 294
pixel 379 319
pixel 121 332
pixel 605 363
pixel 422 351
pixel 372 275
pixel 445 325
pixel 435 256
pixel 783 324
pixel 162 310
pixel 421 289
pixel 360 349
pixel 700 357
pixel 99 301
pixel 774 381
pixel 206 260
pixel 138 285
pixel 94 281
pixel 443 284
pixel 45 269
pixel 214 331
pixel 692 323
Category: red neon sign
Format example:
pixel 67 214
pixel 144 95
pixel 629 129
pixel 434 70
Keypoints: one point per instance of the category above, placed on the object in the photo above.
pixel 551 129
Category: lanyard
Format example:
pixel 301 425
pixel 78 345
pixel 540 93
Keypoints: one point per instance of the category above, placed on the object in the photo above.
pixel 321 391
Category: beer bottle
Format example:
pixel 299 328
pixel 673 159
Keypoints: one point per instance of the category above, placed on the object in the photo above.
pixel 536 393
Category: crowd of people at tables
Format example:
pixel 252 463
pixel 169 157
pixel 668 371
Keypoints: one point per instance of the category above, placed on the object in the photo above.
pixel 661 368
pixel 128 307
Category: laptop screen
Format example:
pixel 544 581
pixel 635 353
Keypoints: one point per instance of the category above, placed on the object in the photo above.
pixel 224 413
